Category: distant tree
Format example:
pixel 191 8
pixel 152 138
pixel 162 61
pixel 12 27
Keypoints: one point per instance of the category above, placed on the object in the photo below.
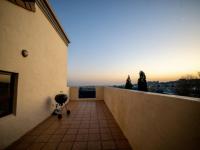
pixel 128 84
pixel 188 86
pixel 183 87
pixel 142 84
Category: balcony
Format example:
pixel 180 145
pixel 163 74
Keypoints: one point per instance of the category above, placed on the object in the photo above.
pixel 89 126
pixel 120 119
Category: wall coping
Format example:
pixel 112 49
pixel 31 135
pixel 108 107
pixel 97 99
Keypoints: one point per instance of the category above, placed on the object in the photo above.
pixel 157 94
pixel 86 86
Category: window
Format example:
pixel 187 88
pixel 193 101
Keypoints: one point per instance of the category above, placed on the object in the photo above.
pixel 8 93
pixel 87 92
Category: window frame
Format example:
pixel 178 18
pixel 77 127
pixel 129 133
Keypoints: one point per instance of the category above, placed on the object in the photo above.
pixel 13 92
pixel 83 89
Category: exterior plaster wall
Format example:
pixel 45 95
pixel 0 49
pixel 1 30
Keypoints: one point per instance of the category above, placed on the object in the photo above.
pixel 74 94
pixel 156 121
pixel 41 75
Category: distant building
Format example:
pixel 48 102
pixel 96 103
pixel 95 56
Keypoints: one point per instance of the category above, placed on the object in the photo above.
pixel 162 87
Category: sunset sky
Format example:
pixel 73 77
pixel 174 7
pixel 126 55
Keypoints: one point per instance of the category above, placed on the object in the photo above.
pixel 113 38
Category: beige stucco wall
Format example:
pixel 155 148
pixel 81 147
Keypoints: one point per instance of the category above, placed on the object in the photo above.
pixel 41 75
pixel 74 92
pixel 155 121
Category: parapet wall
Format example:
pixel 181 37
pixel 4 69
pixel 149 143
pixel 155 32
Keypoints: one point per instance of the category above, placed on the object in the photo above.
pixel 74 94
pixel 156 121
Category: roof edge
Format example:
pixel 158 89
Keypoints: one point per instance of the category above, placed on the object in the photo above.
pixel 26 4
pixel 48 12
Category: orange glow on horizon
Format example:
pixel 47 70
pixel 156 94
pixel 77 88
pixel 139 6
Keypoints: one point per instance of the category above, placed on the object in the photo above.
pixel 116 79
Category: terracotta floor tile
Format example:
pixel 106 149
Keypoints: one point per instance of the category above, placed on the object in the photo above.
pixel 79 115
pixel 65 146
pixel 116 131
pixel 94 145
pixel 35 132
pixel 43 138
pixel 28 138
pixel 79 146
pixel 43 126
pixel 85 125
pixel 77 119
pixel 48 132
pixel 113 125
pixel 60 131
pixel 85 122
pixel 50 146
pixel 106 136
pixel 103 122
pixel 94 125
pixel 118 136
pixel 65 126
pixel 86 117
pixel 53 127
pixel 103 125
pixel 82 137
pixel 55 138
pixel 102 118
pixel 75 126
pixel 36 146
pixel 94 121
pixel 94 130
pixel 111 121
pixel 69 137
pixel 108 145
pixel 83 131
pixel 94 137
pixel 75 122
pixel 72 131
pixel 89 126
pixel 105 130
pixel 122 144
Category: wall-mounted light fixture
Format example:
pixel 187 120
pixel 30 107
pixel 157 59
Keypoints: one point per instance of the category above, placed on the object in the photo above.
pixel 24 53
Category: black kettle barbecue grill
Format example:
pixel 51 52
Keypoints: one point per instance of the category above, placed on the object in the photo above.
pixel 61 100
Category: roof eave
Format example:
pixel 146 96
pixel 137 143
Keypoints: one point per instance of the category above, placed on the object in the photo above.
pixel 48 11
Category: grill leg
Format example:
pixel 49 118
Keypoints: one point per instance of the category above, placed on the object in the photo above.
pixel 67 111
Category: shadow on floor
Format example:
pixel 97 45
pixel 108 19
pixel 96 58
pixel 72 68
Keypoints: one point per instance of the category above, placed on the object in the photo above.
pixel 90 126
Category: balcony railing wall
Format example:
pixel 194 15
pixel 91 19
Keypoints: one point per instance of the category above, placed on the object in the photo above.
pixel 156 121
pixel 74 93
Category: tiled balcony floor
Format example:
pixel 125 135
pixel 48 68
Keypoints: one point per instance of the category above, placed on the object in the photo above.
pixel 90 126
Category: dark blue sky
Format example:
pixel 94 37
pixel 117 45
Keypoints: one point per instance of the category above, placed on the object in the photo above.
pixel 113 38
